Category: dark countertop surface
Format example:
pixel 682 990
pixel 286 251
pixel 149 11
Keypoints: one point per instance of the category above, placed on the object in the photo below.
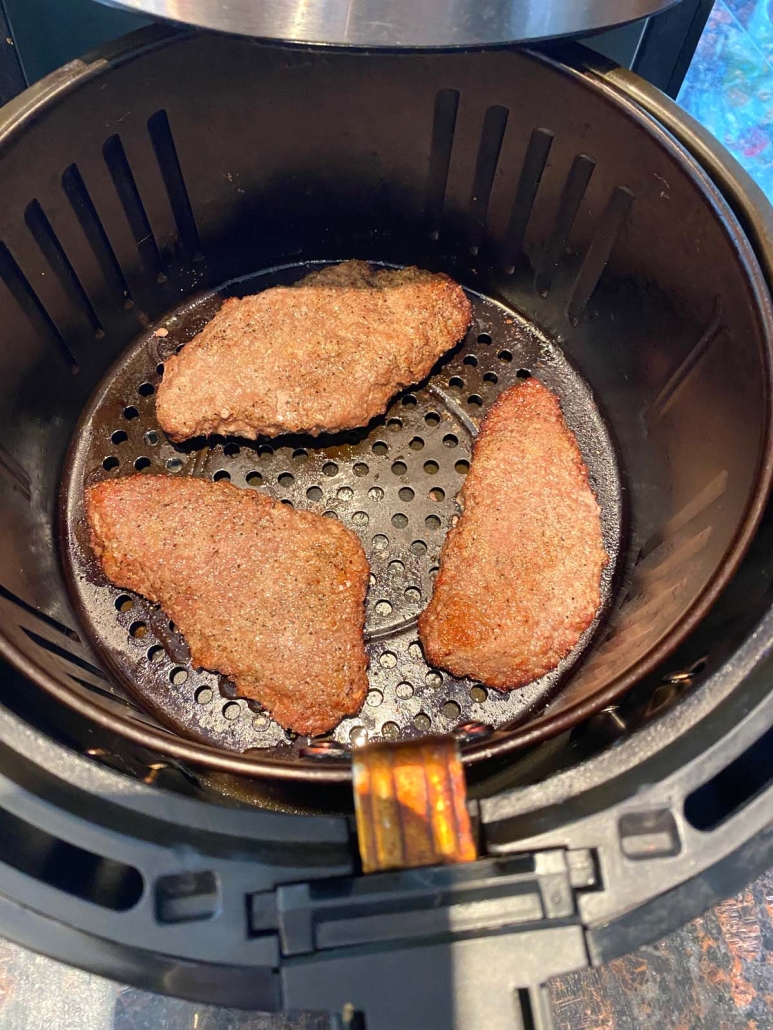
pixel 714 974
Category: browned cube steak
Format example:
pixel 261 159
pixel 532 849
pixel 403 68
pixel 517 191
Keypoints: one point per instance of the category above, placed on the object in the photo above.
pixel 519 578
pixel 324 355
pixel 271 597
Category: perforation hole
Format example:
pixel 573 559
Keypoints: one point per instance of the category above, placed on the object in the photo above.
pixel 286 480
pixel 146 390
pixel 490 377
pixel 422 722
pixel 174 464
pixel 361 469
pixel 450 440
pixel 431 468
pixel 138 630
pixel 383 608
pixel 130 412
pixel 387 660
pixel 478 694
pixel 376 493
pixel 506 356
pixel 456 383
pixel 110 463
pixel 462 467
pixel 399 520
pixel 437 494
pixel 330 469
pixel 484 338
pixel 344 493
pixel 415 651
pixel 360 518
pixel 451 711
pixel 380 447
pixel 232 711
pixel 142 463
pixel 265 450
pixel 475 400
pixel 178 675
pixel 151 438
pixel 523 373
pixel 222 476
pixel 301 454
pixel 470 359
pixel 396 567
pixel 432 522
pixel 412 594
pixel 390 731
pixel 203 695
pixel 380 542
pixel 409 401
pixel 399 468
pixel 394 424
pixel 253 478
pixel 418 547
pixel 124 603
pixel 404 690
pixel 432 418
pixel 160 368
pixel 433 679
pixel 405 493
pixel 375 698
pixel 231 450
pixel 119 436
pixel 156 654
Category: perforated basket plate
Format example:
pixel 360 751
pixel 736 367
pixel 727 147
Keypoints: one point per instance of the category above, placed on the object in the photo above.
pixel 395 483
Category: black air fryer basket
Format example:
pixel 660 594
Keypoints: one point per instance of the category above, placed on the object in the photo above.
pixel 620 266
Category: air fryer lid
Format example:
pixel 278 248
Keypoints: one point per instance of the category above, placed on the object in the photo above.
pixel 400 23
pixel 543 192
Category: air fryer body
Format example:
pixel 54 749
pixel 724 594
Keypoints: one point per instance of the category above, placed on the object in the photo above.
pixel 140 182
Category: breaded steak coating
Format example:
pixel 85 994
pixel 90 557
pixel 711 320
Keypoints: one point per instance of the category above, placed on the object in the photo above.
pixel 519 578
pixel 324 355
pixel 271 597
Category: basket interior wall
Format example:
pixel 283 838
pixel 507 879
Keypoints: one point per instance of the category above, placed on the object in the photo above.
pixel 208 158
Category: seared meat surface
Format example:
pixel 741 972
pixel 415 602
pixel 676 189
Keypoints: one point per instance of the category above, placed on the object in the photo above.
pixel 324 355
pixel 271 597
pixel 519 578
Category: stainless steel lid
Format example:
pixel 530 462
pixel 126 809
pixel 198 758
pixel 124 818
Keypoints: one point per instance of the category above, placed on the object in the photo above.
pixel 400 23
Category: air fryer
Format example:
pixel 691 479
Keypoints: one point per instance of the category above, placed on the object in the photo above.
pixel 159 828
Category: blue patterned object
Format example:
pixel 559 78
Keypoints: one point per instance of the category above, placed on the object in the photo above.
pixel 729 86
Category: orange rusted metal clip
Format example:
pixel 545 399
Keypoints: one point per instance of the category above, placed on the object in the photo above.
pixel 410 800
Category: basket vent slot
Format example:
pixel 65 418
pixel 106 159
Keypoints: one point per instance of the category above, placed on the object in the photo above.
pixel 443 128
pixel 16 475
pixel 60 652
pixel 126 188
pixel 91 224
pixel 535 159
pixel 492 135
pixel 568 206
pixel 597 256
pixel 670 388
pixel 48 620
pixel 169 165
pixel 45 237
pixel 31 305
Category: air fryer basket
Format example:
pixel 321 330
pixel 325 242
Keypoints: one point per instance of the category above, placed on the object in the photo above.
pixel 599 258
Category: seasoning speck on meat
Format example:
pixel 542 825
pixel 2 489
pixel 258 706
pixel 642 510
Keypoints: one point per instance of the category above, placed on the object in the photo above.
pixel 324 355
pixel 520 573
pixel 271 597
